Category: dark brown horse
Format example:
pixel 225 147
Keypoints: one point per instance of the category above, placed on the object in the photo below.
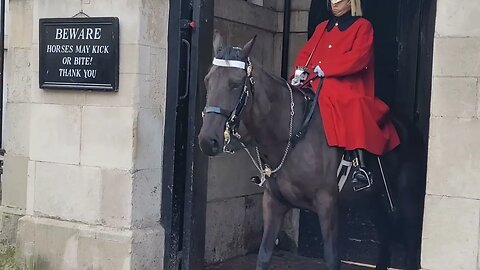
pixel 241 95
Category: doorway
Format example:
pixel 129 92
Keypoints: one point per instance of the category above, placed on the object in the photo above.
pixel 403 57
pixel 404 42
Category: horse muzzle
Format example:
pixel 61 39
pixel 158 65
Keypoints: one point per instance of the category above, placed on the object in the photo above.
pixel 210 146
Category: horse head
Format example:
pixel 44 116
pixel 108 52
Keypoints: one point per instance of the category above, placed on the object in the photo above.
pixel 229 85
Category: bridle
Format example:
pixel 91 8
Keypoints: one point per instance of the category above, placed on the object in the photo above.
pixel 233 118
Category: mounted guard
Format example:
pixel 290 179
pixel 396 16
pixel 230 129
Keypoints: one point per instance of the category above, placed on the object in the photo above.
pixel 341 52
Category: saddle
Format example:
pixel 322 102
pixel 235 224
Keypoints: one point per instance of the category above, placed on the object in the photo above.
pixel 345 165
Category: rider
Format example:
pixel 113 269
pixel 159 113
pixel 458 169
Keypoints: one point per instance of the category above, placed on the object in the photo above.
pixel 341 51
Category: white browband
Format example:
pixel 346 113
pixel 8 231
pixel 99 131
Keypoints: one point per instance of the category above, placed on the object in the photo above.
pixel 229 63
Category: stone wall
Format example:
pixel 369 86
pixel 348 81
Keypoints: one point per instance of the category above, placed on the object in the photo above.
pixel 452 212
pixel 234 217
pixel 84 168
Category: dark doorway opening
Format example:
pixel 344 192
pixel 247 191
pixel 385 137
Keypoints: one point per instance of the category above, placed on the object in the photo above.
pixel 404 32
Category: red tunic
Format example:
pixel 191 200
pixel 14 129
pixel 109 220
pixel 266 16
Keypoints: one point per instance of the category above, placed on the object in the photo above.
pixel 352 116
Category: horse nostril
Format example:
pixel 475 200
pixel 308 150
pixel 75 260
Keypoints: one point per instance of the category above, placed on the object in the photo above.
pixel 210 147
pixel 214 145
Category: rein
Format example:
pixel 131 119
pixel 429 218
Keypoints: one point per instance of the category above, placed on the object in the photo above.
pixel 233 118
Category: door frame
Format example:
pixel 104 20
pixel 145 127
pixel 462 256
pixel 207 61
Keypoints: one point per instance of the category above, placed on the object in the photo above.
pixel 184 175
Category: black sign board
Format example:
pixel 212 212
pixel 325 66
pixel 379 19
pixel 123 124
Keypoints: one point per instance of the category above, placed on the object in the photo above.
pixel 79 53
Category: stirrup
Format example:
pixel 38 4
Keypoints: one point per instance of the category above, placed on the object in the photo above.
pixel 365 183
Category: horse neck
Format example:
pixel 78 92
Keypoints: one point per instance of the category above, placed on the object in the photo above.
pixel 268 116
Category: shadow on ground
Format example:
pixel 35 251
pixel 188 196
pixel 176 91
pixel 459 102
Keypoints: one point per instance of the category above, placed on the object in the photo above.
pixel 281 261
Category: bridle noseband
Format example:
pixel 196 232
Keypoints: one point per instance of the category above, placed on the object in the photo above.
pixel 233 118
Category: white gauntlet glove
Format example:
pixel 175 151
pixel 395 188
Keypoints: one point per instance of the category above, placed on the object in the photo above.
pixel 301 75
pixel 319 72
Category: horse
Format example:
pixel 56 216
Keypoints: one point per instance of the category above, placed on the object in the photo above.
pixel 247 103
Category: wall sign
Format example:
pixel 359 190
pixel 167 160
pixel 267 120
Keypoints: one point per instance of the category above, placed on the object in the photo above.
pixel 79 53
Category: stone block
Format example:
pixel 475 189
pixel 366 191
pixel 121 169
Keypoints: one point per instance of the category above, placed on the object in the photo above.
pixel 21 22
pixel 32 168
pixel 107 137
pixel 229 176
pixel 233 228
pixel 298 21
pixel 153 86
pixel 42 246
pixel 69 192
pixel 148 248
pixel 51 9
pixel 116 198
pixel 450 233
pixel 245 13
pixel 95 252
pixel 303 5
pixel 129 85
pixel 35 59
pixel 478 100
pixel 149 139
pixel 146 198
pixel 17 129
pixel 453 171
pixel 224 236
pixel 296 5
pixel 14 181
pixel 453 57
pixel 455 19
pixel 52 244
pixel 19 74
pixel 154 23
pixel 297 41
pixel 57 96
pixel 134 59
pixel 127 11
pixel 55 133
pixel 462 90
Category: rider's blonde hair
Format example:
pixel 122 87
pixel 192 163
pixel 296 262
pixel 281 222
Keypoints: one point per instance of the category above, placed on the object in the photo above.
pixel 356 6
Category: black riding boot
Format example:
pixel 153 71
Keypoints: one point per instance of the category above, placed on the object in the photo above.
pixel 362 177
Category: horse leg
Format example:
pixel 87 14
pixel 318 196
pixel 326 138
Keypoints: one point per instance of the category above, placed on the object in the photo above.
pixel 273 215
pixel 328 215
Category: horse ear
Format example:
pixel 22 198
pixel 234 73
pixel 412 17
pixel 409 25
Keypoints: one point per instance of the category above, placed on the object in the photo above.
pixel 218 42
pixel 248 47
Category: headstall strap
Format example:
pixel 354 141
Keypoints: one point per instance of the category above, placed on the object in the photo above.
pixel 233 117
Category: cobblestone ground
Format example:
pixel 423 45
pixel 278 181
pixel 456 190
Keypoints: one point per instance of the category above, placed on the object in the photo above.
pixel 281 261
